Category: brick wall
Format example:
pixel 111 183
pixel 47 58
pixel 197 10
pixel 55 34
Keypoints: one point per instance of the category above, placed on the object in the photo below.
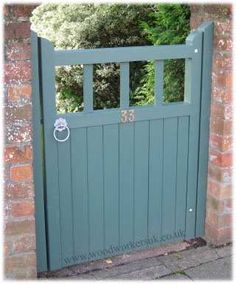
pixel 219 195
pixel 19 223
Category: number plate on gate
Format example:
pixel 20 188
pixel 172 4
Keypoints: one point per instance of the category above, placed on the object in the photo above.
pixel 127 116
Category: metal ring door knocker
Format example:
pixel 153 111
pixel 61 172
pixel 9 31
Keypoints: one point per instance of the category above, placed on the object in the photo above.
pixel 61 125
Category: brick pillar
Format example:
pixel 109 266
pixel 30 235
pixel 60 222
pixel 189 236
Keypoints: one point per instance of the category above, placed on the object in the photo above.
pixel 219 193
pixel 19 223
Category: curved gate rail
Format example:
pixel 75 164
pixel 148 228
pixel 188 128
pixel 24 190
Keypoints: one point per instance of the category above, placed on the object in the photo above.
pixel 52 179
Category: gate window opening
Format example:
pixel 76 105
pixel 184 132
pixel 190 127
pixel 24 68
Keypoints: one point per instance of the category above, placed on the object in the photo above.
pixel 69 88
pixel 141 84
pixel 106 86
pixel 173 84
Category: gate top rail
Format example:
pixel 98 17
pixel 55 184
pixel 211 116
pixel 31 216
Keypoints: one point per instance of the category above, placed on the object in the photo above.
pixel 122 54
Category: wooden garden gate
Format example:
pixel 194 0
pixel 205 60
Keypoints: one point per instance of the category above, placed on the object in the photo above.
pixel 117 180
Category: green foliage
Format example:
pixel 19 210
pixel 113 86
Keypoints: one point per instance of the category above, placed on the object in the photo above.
pixel 170 24
pixel 75 26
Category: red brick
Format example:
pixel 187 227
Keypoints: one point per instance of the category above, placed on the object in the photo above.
pixel 18 133
pixel 223 27
pixel 222 143
pixel 218 236
pixel 23 10
pixel 222 95
pixel 18 51
pixel 228 203
pixel 219 190
pixel 6 11
pixel 228 206
pixel 223 80
pixel 13 154
pixel 18 228
pixel 196 10
pixel 21 173
pixel 222 10
pixel 17 31
pixel 23 208
pixel 15 191
pixel 17 93
pixel 7 246
pixel 222 61
pixel 223 175
pixel 211 218
pixel 221 159
pixel 224 111
pixel 14 263
pixel 19 71
pixel 223 44
pixel 24 244
pixel 18 113
pixel 214 204
pixel 220 221
pixel 195 22
pixel 221 126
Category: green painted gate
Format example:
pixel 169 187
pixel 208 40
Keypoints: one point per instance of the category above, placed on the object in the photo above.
pixel 127 178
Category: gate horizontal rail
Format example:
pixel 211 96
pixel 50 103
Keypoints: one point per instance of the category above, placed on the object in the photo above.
pixel 103 117
pixel 122 54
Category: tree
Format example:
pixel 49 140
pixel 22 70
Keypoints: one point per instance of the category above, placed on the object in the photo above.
pixel 169 24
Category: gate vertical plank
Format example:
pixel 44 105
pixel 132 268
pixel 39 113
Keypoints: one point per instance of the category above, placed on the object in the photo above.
pixel 155 177
pixel 64 177
pixel 38 156
pixel 193 75
pixel 124 84
pixel 159 80
pixel 182 170
pixel 111 185
pixel 126 182
pixel 208 32
pixel 80 190
pixel 169 175
pixel 141 158
pixel 88 87
pixel 95 187
pixel 51 159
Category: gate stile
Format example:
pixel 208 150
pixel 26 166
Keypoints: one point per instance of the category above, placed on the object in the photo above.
pixel 124 174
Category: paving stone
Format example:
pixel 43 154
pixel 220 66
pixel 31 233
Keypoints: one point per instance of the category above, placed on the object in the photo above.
pixel 129 257
pixel 171 261
pixel 176 276
pixel 200 255
pixel 84 276
pixel 127 268
pixel 149 273
pixel 219 269
pixel 189 258
pixel 198 263
pixel 62 273
pixel 224 251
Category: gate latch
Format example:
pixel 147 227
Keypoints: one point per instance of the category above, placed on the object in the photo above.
pixel 61 125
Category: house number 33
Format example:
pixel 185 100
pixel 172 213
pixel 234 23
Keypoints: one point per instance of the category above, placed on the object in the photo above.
pixel 127 116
